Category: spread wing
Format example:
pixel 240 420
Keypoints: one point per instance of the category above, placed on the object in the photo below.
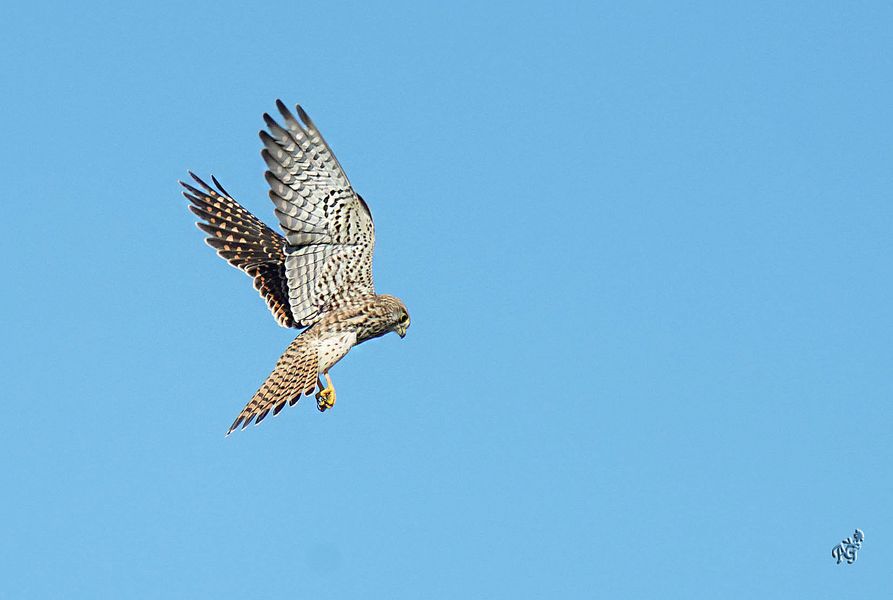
pixel 328 227
pixel 245 242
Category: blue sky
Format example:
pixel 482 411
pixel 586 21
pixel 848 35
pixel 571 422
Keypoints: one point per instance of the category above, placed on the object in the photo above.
pixel 646 248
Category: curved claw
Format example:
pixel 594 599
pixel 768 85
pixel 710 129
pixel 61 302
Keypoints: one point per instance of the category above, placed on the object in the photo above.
pixel 325 398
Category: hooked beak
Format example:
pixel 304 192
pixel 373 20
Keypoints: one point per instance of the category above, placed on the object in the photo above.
pixel 401 331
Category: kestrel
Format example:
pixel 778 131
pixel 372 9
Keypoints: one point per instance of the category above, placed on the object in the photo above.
pixel 318 277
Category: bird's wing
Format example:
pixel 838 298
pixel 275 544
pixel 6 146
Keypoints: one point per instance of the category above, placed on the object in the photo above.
pixel 245 242
pixel 328 227
pixel 295 374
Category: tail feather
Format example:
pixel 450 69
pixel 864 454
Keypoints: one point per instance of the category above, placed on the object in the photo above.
pixel 295 373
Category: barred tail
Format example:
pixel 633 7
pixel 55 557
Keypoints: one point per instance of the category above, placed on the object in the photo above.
pixel 296 373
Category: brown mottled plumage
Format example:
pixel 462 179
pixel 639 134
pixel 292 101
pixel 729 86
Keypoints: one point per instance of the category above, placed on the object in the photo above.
pixel 318 276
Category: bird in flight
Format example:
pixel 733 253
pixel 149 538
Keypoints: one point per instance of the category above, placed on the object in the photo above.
pixel 318 277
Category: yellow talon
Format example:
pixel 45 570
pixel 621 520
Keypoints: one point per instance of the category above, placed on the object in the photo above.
pixel 325 398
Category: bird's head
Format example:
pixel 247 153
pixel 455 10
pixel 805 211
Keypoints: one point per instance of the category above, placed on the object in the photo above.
pixel 402 322
pixel 397 315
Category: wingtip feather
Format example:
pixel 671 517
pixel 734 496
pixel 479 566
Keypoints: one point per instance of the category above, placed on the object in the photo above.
pixel 220 187
pixel 286 114
pixel 202 183
pixel 304 116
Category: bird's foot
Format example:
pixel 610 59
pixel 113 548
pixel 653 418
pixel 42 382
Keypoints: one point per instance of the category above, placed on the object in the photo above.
pixel 325 399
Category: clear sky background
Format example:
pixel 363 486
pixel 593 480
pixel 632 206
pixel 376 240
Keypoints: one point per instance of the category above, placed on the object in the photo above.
pixel 648 253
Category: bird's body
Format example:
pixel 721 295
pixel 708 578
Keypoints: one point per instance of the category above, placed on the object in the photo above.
pixel 318 276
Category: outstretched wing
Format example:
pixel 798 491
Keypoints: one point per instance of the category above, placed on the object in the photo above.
pixel 245 242
pixel 328 227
